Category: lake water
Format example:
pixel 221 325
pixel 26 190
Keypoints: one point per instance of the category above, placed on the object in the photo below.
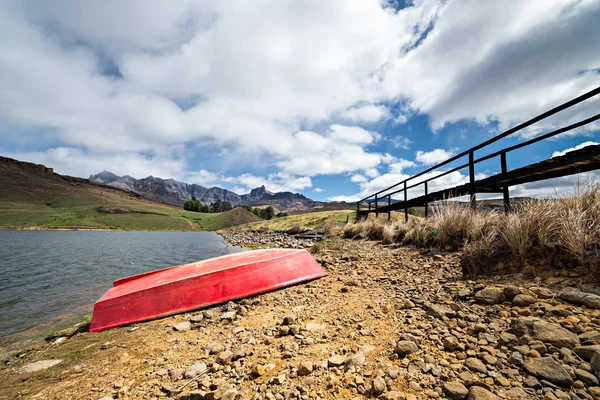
pixel 52 278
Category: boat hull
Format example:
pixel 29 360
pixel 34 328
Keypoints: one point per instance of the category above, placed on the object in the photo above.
pixel 204 283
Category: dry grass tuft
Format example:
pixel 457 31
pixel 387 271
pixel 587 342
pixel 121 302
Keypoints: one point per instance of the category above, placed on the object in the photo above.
pixel 557 233
pixel 329 227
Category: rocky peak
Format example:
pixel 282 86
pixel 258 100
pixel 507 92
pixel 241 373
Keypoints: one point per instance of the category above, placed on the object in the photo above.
pixel 104 177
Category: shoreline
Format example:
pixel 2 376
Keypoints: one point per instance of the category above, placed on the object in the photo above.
pixel 3 228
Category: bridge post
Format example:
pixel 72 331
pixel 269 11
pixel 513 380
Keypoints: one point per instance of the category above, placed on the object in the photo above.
pixel 389 203
pixel 505 193
pixel 376 208
pixel 472 190
pixel 405 208
pixel 369 208
pixel 426 202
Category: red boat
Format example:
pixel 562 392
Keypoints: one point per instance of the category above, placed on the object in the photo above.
pixel 200 284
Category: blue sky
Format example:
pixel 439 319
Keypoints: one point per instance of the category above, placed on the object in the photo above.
pixel 333 99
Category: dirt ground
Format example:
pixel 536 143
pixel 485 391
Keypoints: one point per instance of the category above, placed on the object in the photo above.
pixel 393 323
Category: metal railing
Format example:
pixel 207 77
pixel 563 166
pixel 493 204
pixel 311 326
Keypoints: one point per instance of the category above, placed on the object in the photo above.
pixel 382 195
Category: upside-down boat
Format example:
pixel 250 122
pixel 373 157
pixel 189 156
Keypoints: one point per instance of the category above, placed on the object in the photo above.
pixel 191 286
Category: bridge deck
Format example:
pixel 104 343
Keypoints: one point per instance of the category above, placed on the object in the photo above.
pixel 577 161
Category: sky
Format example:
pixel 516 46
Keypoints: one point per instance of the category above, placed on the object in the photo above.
pixel 335 99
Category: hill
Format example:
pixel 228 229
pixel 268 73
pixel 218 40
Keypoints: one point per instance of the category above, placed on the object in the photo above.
pixel 173 192
pixel 32 196
pixel 306 221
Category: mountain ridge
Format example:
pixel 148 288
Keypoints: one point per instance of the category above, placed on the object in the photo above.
pixel 171 191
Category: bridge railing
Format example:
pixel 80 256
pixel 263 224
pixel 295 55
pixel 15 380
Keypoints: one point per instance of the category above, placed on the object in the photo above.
pixel 385 197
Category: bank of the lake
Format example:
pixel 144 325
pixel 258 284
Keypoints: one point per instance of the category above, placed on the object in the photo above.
pixel 52 278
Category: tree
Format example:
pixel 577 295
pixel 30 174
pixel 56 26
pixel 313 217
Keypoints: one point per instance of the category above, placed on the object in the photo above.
pixel 282 214
pixel 194 198
pixel 226 206
pixel 246 207
pixel 191 205
pixel 216 207
pixel 269 212
pixel 256 211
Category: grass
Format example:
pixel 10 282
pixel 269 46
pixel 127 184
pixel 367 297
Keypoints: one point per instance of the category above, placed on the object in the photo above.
pixel 35 199
pixel 300 222
pixel 556 233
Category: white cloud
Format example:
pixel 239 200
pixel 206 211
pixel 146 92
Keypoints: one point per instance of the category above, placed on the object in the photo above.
pixel 358 178
pixel 318 190
pixel 202 177
pixel 128 81
pixel 578 147
pixel 401 142
pixel 371 172
pixel 482 61
pixel 76 162
pixel 365 113
pixel 398 166
pixel 434 156
pixel 274 182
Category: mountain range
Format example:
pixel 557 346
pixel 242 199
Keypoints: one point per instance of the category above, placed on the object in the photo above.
pixel 174 192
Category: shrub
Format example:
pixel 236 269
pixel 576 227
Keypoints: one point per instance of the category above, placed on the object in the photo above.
pixel 390 232
pixel 329 227
pixel 294 230
pixel 349 230
pixel 371 229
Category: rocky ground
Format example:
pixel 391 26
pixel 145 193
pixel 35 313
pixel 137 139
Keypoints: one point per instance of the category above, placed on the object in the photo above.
pixel 266 239
pixel 388 323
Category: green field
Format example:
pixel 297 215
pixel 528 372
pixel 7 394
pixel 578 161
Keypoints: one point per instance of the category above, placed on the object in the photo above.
pixel 304 221
pixel 31 198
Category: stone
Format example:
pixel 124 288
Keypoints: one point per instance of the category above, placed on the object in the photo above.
pixel 590 338
pixel 336 361
pixel 588 378
pixel 587 352
pixel 490 295
pixel 479 393
pixel 595 361
pixel 508 339
pixel 405 347
pixel 191 395
pixel 450 343
pixel 195 370
pixel 228 316
pixel 547 368
pixel 408 304
pixel 355 360
pixel 542 292
pixel 259 370
pixel 545 332
pixel 176 374
pixel 476 365
pixel 523 300
pixel 224 357
pixel 439 311
pixel 511 291
pixel 517 393
pixel 182 326
pixel 393 395
pixel 578 297
pixel 39 366
pixel 197 318
pixel 455 390
pixel 305 368
pixel 516 358
pixel 214 348
pixel 379 386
